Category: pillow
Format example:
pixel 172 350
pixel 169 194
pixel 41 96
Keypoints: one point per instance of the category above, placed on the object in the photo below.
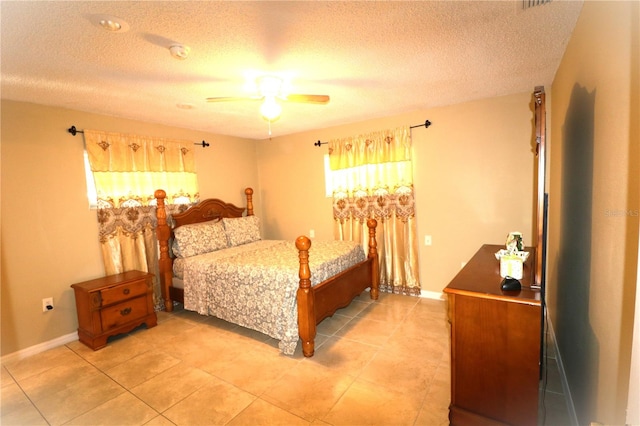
pixel 242 230
pixel 199 238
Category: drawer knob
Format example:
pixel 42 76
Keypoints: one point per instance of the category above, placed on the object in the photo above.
pixel 125 311
pixel 126 291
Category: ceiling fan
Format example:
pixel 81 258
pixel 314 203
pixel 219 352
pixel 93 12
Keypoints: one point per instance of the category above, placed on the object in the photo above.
pixel 270 91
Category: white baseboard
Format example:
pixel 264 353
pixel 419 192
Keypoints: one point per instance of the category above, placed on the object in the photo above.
pixel 427 294
pixel 432 295
pixel 40 347
pixel 573 416
pixel 67 338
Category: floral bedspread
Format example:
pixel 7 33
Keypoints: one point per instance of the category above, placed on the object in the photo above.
pixel 254 285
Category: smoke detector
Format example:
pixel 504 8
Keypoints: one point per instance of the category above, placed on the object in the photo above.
pixel 179 51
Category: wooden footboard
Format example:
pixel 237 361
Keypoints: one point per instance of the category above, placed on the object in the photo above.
pixel 321 301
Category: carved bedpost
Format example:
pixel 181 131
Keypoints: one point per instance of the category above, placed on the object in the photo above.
pixel 163 233
pixel 249 193
pixel 305 297
pixel 373 253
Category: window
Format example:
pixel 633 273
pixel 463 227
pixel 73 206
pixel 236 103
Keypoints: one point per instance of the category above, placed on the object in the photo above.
pixel 371 176
pixel 390 175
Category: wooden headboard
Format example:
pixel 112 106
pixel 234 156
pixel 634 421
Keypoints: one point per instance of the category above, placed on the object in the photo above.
pixel 206 210
pixel 212 209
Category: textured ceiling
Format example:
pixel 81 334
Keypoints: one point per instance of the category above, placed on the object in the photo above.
pixel 374 59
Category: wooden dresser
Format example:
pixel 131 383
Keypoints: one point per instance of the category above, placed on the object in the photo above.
pixel 495 344
pixel 112 305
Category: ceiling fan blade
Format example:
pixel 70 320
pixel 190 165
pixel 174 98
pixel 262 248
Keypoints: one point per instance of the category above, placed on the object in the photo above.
pixel 309 99
pixel 233 98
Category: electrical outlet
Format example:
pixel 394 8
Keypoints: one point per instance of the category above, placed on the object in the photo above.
pixel 312 233
pixel 47 304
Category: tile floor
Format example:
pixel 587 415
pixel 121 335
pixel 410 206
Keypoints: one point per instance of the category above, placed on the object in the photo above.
pixel 383 363
pixel 552 405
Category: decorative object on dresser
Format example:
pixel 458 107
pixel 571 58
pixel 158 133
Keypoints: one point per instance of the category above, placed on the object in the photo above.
pixel 214 261
pixel 113 305
pixel 513 257
pixel 495 344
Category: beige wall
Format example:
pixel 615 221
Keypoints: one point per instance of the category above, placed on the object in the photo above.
pixel 474 173
pixel 594 202
pixel 49 235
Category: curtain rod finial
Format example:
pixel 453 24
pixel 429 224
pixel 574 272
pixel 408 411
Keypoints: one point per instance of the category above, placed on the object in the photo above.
pixel 72 130
pixel 426 124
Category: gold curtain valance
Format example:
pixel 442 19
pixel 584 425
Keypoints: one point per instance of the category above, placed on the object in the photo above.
pixel 116 152
pixel 373 148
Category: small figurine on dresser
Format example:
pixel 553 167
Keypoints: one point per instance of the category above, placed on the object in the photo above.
pixel 513 257
pixel 514 242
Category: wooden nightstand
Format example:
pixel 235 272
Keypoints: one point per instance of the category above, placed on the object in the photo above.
pixel 112 305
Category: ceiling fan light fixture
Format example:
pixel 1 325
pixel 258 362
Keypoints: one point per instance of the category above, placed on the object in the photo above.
pixel 270 109
pixel 270 86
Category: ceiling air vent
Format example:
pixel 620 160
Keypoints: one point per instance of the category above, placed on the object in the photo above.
pixel 526 4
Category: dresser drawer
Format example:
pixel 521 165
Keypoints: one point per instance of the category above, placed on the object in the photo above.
pixel 123 292
pixel 131 310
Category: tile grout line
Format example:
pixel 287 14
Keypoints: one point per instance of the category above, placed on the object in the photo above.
pixel 33 404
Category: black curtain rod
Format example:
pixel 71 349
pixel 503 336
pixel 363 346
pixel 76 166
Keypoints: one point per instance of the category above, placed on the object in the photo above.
pixel 74 131
pixel 426 124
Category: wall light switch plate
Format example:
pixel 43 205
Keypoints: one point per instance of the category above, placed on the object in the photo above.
pixel 312 233
pixel 427 240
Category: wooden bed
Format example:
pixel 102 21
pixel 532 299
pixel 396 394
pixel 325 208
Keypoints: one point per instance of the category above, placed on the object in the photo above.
pixel 314 303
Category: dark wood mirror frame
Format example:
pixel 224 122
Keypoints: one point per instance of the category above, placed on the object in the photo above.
pixel 541 130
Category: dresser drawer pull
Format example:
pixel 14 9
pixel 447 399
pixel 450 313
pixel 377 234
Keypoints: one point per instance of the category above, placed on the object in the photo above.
pixel 126 291
pixel 125 311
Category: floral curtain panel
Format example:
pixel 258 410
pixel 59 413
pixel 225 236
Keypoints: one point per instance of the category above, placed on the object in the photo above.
pixel 131 167
pixel 127 170
pixel 374 179
pixel 128 241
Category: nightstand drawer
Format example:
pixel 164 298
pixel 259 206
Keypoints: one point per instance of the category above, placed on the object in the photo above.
pixel 123 292
pixel 131 310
